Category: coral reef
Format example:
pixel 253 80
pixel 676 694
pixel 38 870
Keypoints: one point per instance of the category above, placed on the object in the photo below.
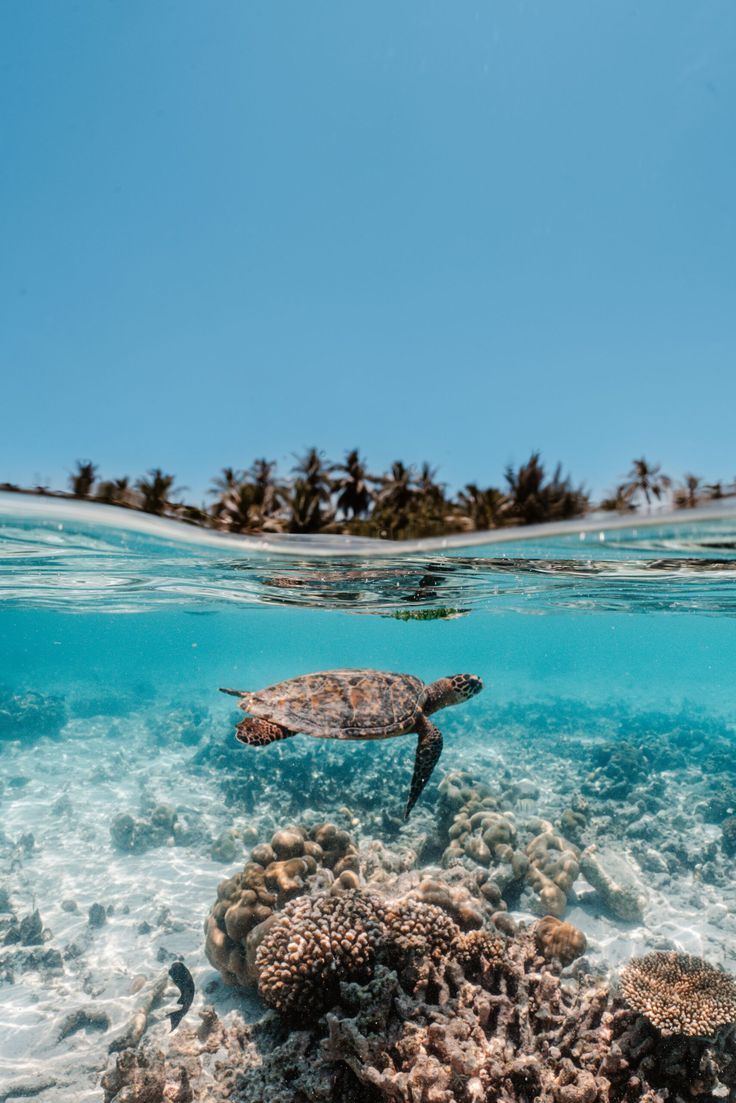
pixel 277 872
pixel 29 716
pixel 490 1020
pixel 187 724
pixel 618 766
pixel 680 994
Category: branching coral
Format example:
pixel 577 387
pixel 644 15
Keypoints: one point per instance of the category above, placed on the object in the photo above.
pixel 680 994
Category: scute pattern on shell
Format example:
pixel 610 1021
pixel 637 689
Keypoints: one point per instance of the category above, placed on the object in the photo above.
pixel 342 703
pixel 679 993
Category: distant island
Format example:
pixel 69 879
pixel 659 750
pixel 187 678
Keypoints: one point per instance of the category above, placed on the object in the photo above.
pixel 320 496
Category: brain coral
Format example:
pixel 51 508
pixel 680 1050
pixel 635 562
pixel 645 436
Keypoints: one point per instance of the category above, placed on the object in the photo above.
pixel 680 994
pixel 554 938
pixel 314 944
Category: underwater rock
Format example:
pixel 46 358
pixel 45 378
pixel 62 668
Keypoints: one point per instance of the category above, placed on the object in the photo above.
pixel 97 916
pixel 135 1028
pixel 84 1018
pixel 720 805
pixel 160 825
pixel 30 716
pixel 618 767
pixel 32 959
pixel 266 884
pixel 615 883
pixel 31 930
pixel 728 837
pixel 574 820
pixel 27 1088
pixel 226 846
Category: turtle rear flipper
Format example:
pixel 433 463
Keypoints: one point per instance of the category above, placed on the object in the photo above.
pixel 259 733
pixel 429 749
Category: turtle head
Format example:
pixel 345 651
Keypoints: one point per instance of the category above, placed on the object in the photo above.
pixel 452 691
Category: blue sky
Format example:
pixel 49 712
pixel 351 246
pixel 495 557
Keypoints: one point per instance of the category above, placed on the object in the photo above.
pixel 453 232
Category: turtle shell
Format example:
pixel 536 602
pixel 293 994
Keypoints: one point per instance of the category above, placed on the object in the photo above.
pixel 342 704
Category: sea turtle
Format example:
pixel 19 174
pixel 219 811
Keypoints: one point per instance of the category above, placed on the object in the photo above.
pixel 355 704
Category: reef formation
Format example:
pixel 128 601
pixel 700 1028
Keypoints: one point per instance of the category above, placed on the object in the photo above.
pixel 404 987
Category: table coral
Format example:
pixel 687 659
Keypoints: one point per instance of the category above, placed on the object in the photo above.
pixel 679 993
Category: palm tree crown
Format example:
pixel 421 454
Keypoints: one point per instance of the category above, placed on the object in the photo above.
pixel 646 478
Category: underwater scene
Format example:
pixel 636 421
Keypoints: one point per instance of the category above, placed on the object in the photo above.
pixel 486 852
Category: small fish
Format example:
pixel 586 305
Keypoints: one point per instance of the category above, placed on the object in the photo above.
pixel 182 978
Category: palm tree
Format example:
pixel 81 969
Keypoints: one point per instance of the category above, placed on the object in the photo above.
pixel 486 508
pixel 226 482
pixel 269 495
pixel 83 479
pixel 115 492
pixel 310 494
pixel 157 491
pixel 646 478
pixel 239 511
pixel 354 497
pixel 533 500
pixel 619 500
pixel 306 502
pixel 312 470
pixel 222 488
pixel 686 496
pixel 427 486
pixel 394 500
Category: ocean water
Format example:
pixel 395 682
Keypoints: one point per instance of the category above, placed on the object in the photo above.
pixel 608 660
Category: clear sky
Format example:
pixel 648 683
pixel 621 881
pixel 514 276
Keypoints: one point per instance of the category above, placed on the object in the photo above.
pixel 433 230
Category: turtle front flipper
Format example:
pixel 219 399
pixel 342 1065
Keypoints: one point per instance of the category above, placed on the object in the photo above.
pixel 259 733
pixel 429 749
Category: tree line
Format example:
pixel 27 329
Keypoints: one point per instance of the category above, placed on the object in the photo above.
pixel 320 496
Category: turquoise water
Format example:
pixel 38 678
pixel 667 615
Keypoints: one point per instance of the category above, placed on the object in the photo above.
pixel 114 638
